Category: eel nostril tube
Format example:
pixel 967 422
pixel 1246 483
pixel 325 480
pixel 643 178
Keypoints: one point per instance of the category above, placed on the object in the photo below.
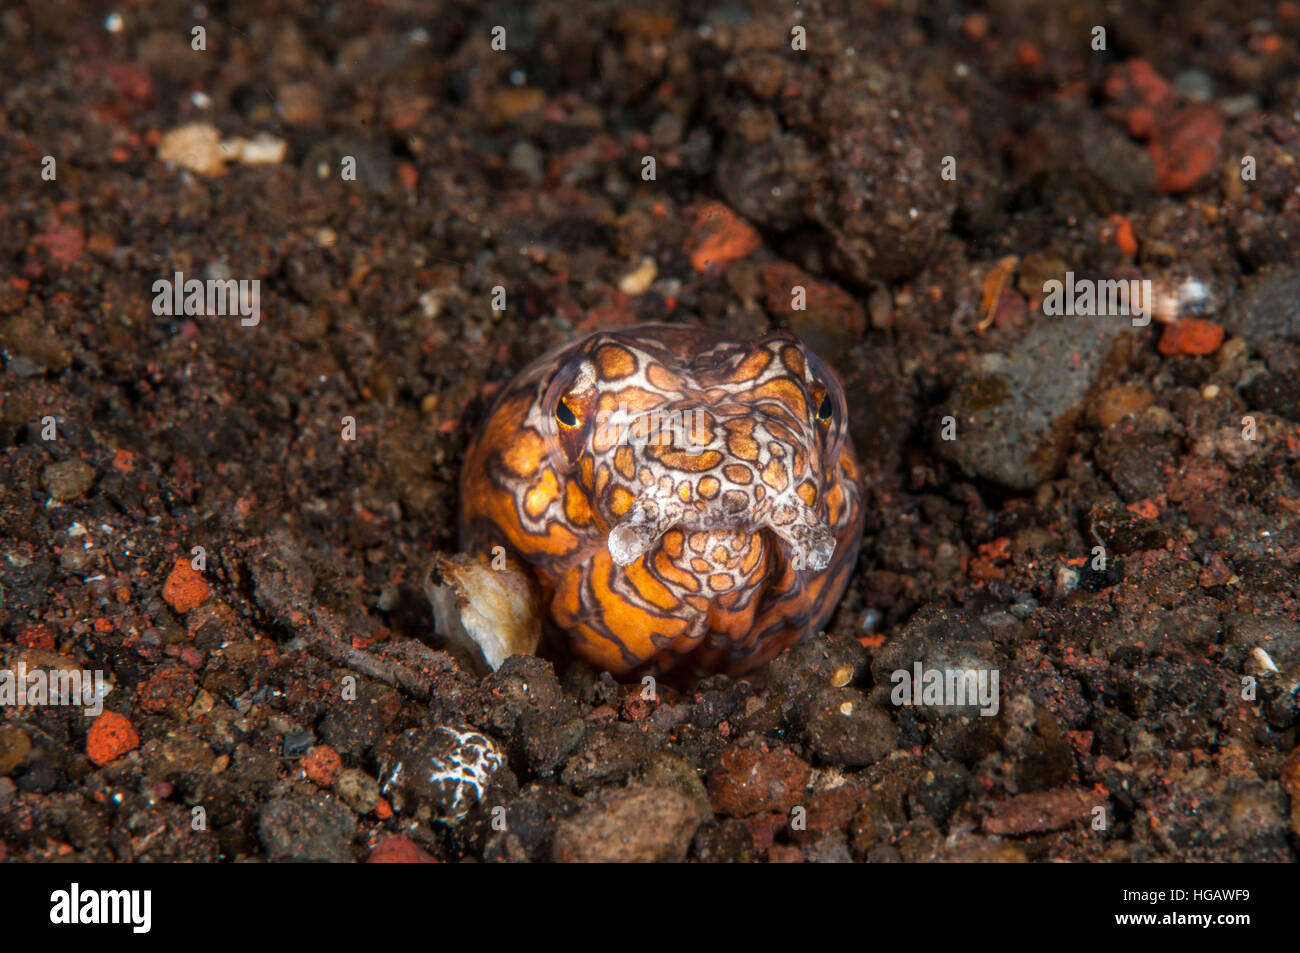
pixel 812 545
pixel 811 541
pixel 649 519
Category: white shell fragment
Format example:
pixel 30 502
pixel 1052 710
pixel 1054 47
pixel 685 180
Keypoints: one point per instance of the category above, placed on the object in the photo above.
pixel 1261 663
pixel 196 147
pixel 199 148
pixel 262 149
pixel 491 613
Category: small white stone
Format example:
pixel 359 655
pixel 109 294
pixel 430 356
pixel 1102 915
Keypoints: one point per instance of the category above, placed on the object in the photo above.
pixel 260 150
pixel 639 280
pixel 196 147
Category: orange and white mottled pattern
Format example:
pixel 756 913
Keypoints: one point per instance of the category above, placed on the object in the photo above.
pixel 685 499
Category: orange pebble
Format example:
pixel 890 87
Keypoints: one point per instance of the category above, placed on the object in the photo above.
pixel 1190 336
pixel 975 25
pixel 111 736
pixel 1185 149
pixel 185 588
pixel 1124 238
pixel 321 765
pixel 720 237
pixel 1028 55
pixel 1144 508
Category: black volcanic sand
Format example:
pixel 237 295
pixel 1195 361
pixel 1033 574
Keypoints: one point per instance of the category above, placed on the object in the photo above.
pixel 1104 529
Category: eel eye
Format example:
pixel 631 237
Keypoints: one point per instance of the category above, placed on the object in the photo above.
pixel 824 410
pixel 564 414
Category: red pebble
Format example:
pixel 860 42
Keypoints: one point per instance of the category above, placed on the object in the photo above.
pixel 65 243
pixel 1186 148
pixel 37 637
pixel 399 850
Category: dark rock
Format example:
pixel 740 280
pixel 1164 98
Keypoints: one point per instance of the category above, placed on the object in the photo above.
pixel 810 665
pixel 607 754
pixel 1266 307
pixel 40 777
pixel 544 744
pixel 1122 531
pixel 531 818
pixel 844 728
pixel 353 727
pixel 879 196
pixel 727 842
pixel 1015 414
pixel 524 685
pixel 939 639
pixel 1275 634
pixel 767 180
pixel 1276 393
pixel 939 790
pixel 448 769
pixel 311 829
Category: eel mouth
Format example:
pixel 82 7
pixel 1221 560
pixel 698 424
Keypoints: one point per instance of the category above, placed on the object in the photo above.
pixel 809 541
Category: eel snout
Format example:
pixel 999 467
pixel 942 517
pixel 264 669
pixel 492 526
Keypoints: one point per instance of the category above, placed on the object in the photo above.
pixel 810 541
